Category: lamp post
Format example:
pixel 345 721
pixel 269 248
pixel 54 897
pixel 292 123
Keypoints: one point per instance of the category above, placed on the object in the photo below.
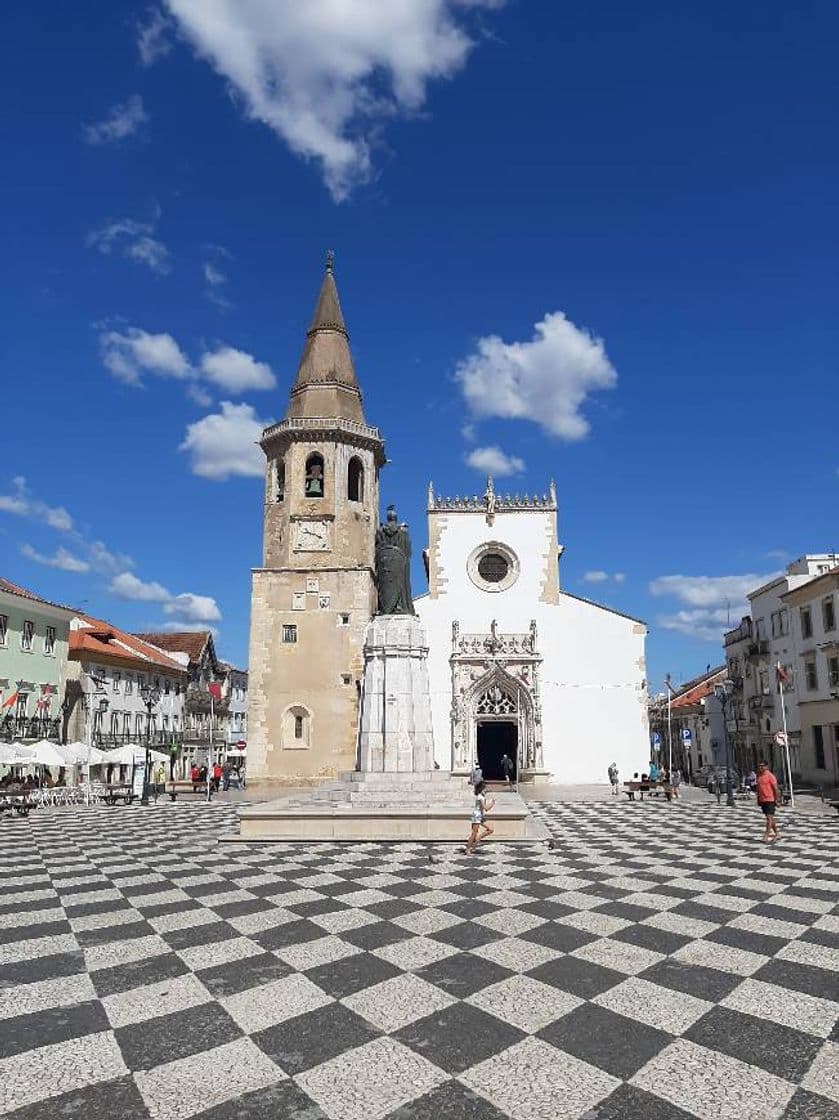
pixel 722 693
pixel 102 708
pixel 151 698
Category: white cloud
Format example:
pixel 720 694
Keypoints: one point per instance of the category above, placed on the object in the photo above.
pixel 133 240
pixel 492 460
pixel 546 380
pixel 599 576
pixel 129 354
pixel 708 591
pixel 103 560
pixel 214 276
pixel 62 559
pixel 185 608
pixel 21 503
pixel 122 121
pixel 153 36
pixel 127 586
pixel 326 74
pixel 236 371
pixel 716 602
pixel 225 443
pixel 193 608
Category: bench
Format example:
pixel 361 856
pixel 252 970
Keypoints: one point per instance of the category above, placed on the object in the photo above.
pixel 185 785
pixel 118 791
pixel 19 803
pixel 653 788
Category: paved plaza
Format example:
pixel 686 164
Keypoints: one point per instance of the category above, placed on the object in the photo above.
pixel 657 963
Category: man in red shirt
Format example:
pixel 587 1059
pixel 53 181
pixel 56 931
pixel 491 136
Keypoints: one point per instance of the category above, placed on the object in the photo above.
pixel 768 796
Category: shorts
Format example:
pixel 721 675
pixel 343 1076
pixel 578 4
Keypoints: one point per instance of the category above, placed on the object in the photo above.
pixel 768 807
pixel 477 818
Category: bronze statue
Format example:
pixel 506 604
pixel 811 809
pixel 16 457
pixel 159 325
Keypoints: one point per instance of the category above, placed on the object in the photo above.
pixel 393 566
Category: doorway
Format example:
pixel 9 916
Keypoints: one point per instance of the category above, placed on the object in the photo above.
pixel 495 739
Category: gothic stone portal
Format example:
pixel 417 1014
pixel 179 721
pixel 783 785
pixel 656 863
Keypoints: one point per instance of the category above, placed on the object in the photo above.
pixel 495 700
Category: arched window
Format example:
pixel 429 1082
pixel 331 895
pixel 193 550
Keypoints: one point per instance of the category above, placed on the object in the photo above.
pixel 355 480
pixel 280 480
pixel 314 476
pixel 297 727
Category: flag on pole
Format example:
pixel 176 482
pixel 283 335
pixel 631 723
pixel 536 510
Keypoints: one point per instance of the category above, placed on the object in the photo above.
pixel 781 675
pixel 214 689
pixel 8 703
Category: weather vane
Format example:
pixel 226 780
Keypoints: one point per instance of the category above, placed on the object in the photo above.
pixel 330 259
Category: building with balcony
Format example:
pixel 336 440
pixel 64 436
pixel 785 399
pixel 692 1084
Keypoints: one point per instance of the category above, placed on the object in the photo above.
pixel 814 614
pixel 762 641
pixel 108 670
pixel 34 636
pixel 236 691
pixel 206 716
pixel 694 724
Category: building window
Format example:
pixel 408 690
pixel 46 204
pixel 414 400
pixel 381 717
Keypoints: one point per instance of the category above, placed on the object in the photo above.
pixel 22 705
pixel 343 620
pixel 115 723
pixel 167 686
pixel 129 684
pixel 297 728
pixel 493 566
pixel 833 671
pixel 811 675
pixel 828 614
pixel 138 726
pixel 346 678
pixel 49 641
pixel 4 629
pixel 280 492
pixel 26 636
pixel 818 747
pixel 355 480
pixel 314 486
pixel 806 623
pixel 289 633
pixel 116 679
pixel 126 725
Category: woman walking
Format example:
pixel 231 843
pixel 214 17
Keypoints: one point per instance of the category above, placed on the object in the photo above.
pixel 480 829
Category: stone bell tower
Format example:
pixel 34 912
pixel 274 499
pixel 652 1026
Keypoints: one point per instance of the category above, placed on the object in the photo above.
pixel 315 593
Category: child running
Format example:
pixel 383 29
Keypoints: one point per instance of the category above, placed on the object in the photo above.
pixel 479 825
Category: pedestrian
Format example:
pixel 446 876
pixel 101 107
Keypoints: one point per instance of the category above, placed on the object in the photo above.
pixel 480 829
pixel 160 779
pixel 225 775
pixel 195 777
pixel 477 775
pixel 216 775
pixel 751 781
pixel 614 779
pixel 655 772
pixel 768 798
pixel 676 782
pixel 173 758
pixel 508 768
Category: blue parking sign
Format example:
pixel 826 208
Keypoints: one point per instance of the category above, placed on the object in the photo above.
pixel 687 734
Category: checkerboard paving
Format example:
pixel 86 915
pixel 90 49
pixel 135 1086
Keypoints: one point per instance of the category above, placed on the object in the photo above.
pixel 658 962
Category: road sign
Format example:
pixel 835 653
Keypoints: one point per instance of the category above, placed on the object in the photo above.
pixel 687 734
pixel 781 738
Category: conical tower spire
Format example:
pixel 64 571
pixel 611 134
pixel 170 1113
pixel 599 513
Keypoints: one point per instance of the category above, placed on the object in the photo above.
pixel 326 384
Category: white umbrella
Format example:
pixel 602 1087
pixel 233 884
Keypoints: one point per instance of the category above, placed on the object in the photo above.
pixel 78 752
pixel 43 753
pixel 8 754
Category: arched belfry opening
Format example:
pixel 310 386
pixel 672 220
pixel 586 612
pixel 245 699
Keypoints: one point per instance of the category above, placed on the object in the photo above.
pixel 314 486
pixel 355 480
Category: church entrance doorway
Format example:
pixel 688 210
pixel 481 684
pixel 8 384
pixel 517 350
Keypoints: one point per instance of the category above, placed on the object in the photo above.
pixel 495 739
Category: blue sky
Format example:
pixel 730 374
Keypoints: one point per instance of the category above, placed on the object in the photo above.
pixel 590 242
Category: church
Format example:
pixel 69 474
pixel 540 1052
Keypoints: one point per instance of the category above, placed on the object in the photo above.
pixel 516 665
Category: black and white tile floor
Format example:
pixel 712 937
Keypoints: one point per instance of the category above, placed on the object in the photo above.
pixel 659 963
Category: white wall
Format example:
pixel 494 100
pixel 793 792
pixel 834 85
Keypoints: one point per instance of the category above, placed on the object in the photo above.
pixel 594 706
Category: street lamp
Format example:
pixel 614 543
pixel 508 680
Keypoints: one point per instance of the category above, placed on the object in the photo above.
pixel 151 698
pixel 92 725
pixel 722 693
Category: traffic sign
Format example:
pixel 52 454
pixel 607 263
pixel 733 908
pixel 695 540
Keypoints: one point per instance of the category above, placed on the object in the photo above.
pixel 656 739
pixel 687 734
pixel 781 738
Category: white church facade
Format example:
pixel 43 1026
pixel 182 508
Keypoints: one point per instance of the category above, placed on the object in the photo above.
pixel 516 665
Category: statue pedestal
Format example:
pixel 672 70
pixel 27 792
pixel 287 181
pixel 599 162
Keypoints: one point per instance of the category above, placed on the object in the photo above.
pixel 395 733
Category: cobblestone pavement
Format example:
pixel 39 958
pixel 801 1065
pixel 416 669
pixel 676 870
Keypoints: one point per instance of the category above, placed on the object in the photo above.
pixel 658 963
